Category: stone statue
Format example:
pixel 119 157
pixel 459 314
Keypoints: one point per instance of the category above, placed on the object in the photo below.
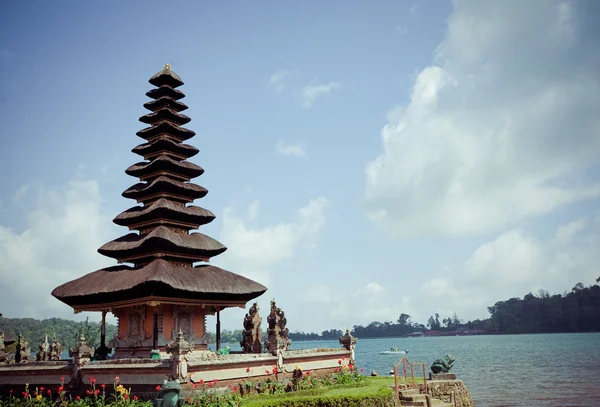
pixel 179 350
pixel 3 354
pixel 81 355
pixel 443 365
pixel 277 333
pixel 252 336
pixel 23 351
pixel 55 349
pixel 42 354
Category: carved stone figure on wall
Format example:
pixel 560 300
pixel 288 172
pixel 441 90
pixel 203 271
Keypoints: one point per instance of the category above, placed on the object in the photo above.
pixel 277 333
pixel 23 351
pixel 252 336
pixel 55 349
pixel 3 354
pixel 42 354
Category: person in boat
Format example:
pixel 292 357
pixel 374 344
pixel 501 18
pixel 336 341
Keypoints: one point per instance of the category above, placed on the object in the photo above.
pixel 391 349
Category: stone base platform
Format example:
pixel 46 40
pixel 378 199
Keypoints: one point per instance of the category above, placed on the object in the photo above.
pixel 442 376
pixel 142 375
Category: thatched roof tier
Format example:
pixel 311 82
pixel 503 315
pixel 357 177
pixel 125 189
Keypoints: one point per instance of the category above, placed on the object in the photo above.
pixel 166 77
pixel 167 102
pixel 165 146
pixel 164 165
pixel 158 281
pixel 162 242
pixel 167 129
pixel 164 212
pixel 163 187
pixel 165 114
pixel 165 91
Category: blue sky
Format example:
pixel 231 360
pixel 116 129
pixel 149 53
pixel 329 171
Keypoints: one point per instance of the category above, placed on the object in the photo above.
pixel 363 160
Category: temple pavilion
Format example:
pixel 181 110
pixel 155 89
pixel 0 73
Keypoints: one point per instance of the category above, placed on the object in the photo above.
pixel 162 284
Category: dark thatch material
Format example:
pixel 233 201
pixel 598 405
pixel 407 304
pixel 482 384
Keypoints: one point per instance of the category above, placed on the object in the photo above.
pixel 162 163
pixel 195 246
pixel 165 91
pixel 166 77
pixel 161 186
pixel 159 278
pixel 168 129
pixel 162 102
pixel 165 209
pixel 165 145
pixel 165 114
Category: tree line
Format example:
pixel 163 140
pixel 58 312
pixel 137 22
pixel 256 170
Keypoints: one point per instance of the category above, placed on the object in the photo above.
pixel 574 311
pixel 67 332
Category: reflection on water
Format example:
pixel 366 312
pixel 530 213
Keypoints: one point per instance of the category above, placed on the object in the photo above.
pixel 548 370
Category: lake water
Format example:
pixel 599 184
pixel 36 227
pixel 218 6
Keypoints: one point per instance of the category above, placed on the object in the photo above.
pixel 548 370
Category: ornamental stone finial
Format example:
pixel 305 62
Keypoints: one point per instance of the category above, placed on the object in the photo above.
pixel 168 67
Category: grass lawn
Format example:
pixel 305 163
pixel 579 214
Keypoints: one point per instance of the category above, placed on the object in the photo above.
pixel 377 389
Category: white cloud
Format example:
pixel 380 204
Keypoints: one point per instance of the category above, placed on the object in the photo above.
pixel 499 131
pixel 59 244
pixel 514 264
pixel 311 93
pixel 565 233
pixel 254 252
pixel 279 80
pixel 293 150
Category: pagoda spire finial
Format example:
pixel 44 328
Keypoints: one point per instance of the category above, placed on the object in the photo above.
pixel 168 67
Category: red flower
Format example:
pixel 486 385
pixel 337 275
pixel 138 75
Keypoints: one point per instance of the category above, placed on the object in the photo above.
pixel 158 388
pixel 308 372
pixel 201 381
pixel 11 390
pixel 216 380
pixel 350 366
pixel 117 379
pixel 62 379
pixel 235 388
pixel 274 370
pixel 343 357
pixel 87 392
pixel 195 385
pixel 96 392
pixel 103 385
pixel 362 370
pixel 41 389
pixel 92 380
pixel 247 369
pixel 267 372
pixel 135 397
pixel 24 394
pixel 77 398
pixel 49 392
pixel 337 369
pixel 339 362
pixel 60 389
pixel 126 397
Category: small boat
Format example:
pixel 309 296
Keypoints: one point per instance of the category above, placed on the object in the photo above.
pixel 393 352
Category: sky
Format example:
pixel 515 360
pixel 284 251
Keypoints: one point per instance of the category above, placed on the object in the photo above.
pixel 363 159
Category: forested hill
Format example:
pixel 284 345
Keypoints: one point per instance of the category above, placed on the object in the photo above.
pixel 67 332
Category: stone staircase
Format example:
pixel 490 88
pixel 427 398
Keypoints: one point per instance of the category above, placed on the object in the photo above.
pixel 412 397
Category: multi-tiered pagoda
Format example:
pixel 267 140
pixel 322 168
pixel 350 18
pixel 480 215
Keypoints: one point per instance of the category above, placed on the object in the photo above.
pixel 162 292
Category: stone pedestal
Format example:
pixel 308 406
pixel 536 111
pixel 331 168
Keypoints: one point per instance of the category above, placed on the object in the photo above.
pixel 442 376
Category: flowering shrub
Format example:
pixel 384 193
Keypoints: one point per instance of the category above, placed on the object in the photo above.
pixel 96 395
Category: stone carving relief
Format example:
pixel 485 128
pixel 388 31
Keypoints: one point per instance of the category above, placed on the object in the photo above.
pixel 277 333
pixel 252 336
pixel 184 317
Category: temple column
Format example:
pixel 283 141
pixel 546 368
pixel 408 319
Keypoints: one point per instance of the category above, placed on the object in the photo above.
pixel 218 328
pixel 103 331
pixel 155 329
